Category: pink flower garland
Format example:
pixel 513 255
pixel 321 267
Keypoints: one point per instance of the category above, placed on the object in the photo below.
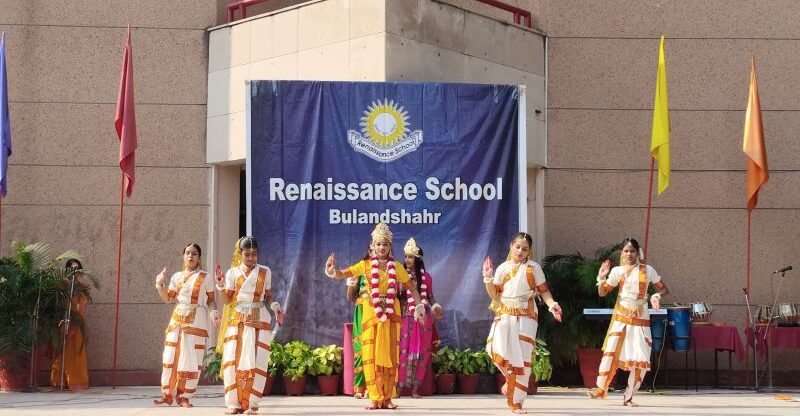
pixel 423 294
pixel 375 290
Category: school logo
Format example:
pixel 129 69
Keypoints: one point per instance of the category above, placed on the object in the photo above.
pixel 386 133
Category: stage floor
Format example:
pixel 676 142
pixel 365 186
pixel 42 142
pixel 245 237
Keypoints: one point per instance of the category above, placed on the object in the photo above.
pixel 549 401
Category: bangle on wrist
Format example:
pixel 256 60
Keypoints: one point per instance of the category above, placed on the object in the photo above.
pixel 331 275
pixel 656 296
pixel 551 307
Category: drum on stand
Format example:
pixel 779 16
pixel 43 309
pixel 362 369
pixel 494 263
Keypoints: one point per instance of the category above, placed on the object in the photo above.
pixel 680 327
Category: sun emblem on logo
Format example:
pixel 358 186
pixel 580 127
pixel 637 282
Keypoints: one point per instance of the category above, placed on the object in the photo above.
pixel 385 122
pixel 386 133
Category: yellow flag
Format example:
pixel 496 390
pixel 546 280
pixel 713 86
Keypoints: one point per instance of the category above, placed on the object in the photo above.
pixel 659 143
pixel 753 144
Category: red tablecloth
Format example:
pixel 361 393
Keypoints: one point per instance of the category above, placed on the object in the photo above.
pixel 719 337
pixel 779 337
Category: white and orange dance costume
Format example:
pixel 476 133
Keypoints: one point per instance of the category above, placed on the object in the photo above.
pixel 186 334
pixel 513 333
pixel 247 335
pixel 628 341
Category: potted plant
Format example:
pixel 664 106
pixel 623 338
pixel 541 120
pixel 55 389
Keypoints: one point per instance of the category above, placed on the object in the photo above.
pixel 212 365
pixel 298 361
pixel 467 366
pixel 573 279
pixel 327 366
pixel 31 281
pixel 275 367
pixel 486 369
pixel 444 362
pixel 541 367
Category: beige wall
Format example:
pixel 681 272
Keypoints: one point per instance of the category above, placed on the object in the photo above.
pixel 603 58
pixel 64 61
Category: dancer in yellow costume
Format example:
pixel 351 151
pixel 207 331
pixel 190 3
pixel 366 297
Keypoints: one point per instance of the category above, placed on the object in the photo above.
pixel 380 336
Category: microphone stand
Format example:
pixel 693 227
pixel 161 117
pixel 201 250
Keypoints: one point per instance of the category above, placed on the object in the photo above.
pixel 755 337
pixel 66 322
pixel 766 332
pixel 32 385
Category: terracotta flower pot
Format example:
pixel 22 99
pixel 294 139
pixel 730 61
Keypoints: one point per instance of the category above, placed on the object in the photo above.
pixel 533 386
pixel 14 372
pixel 445 383
pixel 328 385
pixel 589 361
pixel 268 385
pixel 468 384
pixel 294 387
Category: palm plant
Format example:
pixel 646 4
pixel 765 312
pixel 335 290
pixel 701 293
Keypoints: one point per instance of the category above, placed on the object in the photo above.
pixel 572 280
pixel 31 281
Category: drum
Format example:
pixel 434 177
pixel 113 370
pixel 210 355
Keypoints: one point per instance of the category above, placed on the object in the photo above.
pixel 788 313
pixel 764 313
pixel 680 327
pixel 701 311
pixel 657 327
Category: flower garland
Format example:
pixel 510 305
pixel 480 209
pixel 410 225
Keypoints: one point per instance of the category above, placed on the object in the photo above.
pixel 423 294
pixel 390 293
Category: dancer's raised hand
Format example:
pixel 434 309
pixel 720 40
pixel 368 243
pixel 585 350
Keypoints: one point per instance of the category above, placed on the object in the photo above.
pixel 160 279
pixel 488 269
pixel 219 278
pixel 604 269
pixel 330 266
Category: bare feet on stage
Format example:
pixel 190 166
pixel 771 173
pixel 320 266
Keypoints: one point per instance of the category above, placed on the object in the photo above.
pixel 630 403
pixel 234 411
pixel 415 396
pixel 184 403
pixel 251 412
pixel 519 411
pixel 504 389
pixel 594 394
pixel 358 395
pixel 163 400
pixel 390 406
pixel 372 406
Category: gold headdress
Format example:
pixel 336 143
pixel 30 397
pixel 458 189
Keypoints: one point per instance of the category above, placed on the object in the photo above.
pixel 382 232
pixel 411 248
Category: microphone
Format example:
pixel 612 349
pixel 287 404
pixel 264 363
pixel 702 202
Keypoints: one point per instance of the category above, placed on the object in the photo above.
pixel 784 269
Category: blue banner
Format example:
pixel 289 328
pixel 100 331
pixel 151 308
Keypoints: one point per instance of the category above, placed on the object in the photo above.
pixel 437 162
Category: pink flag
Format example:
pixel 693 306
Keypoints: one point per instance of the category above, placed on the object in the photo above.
pixel 125 121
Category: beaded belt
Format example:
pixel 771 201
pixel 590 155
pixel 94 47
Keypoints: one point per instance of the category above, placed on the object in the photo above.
pixel 249 305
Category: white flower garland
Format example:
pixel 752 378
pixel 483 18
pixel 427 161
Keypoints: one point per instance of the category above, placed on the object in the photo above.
pixel 423 294
pixel 390 292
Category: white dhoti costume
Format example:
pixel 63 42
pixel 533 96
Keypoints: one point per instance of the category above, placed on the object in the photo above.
pixel 513 333
pixel 246 347
pixel 628 341
pixel 186 334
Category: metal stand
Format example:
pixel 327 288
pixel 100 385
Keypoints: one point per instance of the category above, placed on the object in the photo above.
pixel 755 336
pixel 766 332
pixel 66 330
pixel 32 385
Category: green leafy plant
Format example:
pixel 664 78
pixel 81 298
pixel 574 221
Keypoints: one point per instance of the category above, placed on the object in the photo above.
pixel 484 362
pixel 327 360
pixel 572 279
pixel 278 359
pixel 541 368
pixel 467 362
pixel 31 273
pixel 212 364
pixel 299 359
pixel 444 361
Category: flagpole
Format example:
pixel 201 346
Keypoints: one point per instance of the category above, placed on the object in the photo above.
pixel 119 268
pixel 649 207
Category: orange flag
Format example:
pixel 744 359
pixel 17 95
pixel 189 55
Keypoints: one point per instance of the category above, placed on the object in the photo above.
pixel 125 120
pixel 753 145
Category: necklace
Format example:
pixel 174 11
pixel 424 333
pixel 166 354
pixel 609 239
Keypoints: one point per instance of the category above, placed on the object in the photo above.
pixel 375 279
pixel 423 294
